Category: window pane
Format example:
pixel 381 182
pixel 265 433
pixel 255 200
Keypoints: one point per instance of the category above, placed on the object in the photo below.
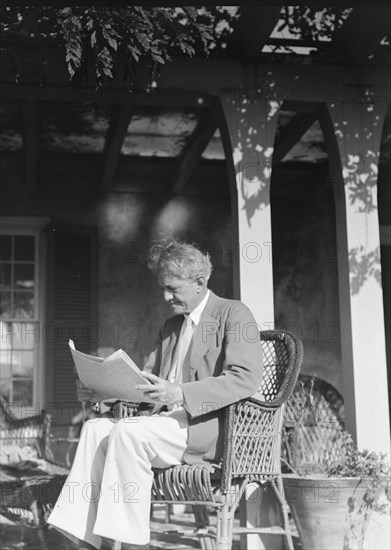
pixel 25 335
pixel 5 364
pixel 24 305
pixel 6 331
pixel 22 363
pixel 5 247
pixel 24 248
pixel 24 276
pixel 5 276
pixel 23 392
pixel 5 305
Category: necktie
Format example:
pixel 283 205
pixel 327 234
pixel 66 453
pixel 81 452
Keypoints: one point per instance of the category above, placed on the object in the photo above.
pixel 182 350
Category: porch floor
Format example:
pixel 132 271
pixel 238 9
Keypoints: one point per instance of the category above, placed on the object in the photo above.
pixel 17 537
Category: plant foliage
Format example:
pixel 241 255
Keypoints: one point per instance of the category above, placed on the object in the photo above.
pixel 313 23
pixel 99 36
pixel 367 465
pixel 344 459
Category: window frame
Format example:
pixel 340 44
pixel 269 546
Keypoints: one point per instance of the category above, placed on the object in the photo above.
pixel 30 226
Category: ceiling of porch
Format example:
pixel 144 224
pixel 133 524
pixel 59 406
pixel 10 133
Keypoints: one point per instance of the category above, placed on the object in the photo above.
pixel 151 132
pixel 72 128
pixel 187 134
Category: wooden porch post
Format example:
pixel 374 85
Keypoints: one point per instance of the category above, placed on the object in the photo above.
pixel 353 132
pixel 248 138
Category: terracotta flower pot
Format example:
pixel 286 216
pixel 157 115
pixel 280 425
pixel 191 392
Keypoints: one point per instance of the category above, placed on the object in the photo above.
pixel 330 513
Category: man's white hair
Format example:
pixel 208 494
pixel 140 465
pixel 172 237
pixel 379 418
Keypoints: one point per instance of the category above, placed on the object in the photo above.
pixel 179 259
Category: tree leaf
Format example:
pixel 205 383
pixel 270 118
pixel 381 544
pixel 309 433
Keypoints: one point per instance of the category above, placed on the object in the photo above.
pixel 191 11
pixel 158 58
pixel 113 43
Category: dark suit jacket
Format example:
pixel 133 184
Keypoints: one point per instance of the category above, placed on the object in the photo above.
pixel 225 365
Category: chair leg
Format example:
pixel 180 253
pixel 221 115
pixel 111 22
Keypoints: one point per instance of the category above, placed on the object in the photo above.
pixel 201 517
pixel 225 521
pixel 278 487
pixel 168 512
pixel 39 521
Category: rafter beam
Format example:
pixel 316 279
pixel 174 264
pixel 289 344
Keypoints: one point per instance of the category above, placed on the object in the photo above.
pixel 299 42
pixel 116 133
pixel 196 82
pixel 30 134
pixel 254 27
pixel 162 98
pixel 195 146
pixel 360 35
pixel 300 106
pixel 291 134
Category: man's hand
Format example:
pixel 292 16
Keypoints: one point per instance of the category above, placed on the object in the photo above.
pixel 85 394
pixel 161 391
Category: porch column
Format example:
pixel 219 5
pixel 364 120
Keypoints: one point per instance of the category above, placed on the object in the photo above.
pixel 248 138
pixel 353 133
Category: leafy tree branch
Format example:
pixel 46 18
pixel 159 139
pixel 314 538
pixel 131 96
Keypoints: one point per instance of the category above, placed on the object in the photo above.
pixel 99 36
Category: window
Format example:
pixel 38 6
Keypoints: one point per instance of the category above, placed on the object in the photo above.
pixel 21 316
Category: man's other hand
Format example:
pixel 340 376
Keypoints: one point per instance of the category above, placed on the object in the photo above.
pixel 85 394
pixel 161 391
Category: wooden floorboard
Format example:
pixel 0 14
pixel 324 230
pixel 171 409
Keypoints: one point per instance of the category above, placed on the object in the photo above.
pixel 16 537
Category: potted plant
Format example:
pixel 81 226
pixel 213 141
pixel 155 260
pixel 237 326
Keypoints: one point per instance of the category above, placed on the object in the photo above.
pixel 334 488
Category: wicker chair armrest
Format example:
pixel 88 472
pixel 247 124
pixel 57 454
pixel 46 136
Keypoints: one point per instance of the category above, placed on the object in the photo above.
pixel 256 406
pixel 251 430
pixel 263 405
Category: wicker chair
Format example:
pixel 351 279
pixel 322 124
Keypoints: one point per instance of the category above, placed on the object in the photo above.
pixel 252 445
pixel 33 430
pixel 28 495
pixel 314 419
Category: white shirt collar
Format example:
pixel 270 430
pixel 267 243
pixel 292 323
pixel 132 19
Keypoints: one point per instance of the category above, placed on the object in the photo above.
pixel 195 315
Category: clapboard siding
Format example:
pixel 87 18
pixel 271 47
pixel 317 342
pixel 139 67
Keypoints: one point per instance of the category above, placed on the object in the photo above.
pixel 71 310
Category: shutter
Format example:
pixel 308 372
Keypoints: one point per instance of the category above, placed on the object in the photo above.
pixel 71 313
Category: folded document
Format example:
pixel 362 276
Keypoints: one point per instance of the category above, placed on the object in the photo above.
pixel 112 377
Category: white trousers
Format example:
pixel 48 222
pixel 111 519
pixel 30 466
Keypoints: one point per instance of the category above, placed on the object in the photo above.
pixel 108 490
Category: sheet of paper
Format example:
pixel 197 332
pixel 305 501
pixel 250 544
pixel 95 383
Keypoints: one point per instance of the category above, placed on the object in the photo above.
pixel 114 377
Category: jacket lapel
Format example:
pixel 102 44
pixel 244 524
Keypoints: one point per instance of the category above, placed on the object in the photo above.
pixel 206 334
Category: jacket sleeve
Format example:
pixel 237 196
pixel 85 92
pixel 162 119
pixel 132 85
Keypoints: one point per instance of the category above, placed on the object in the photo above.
pixel 242 371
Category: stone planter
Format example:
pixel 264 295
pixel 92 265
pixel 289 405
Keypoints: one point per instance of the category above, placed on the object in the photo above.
pixel 330 513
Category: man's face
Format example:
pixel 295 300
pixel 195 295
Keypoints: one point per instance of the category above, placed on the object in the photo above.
pixel 183 295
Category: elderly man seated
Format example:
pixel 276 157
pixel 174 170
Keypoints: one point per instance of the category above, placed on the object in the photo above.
pixel 204 361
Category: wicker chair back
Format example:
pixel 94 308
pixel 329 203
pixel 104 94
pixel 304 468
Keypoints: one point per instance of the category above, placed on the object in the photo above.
pixel 33 430
pixel 253 426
